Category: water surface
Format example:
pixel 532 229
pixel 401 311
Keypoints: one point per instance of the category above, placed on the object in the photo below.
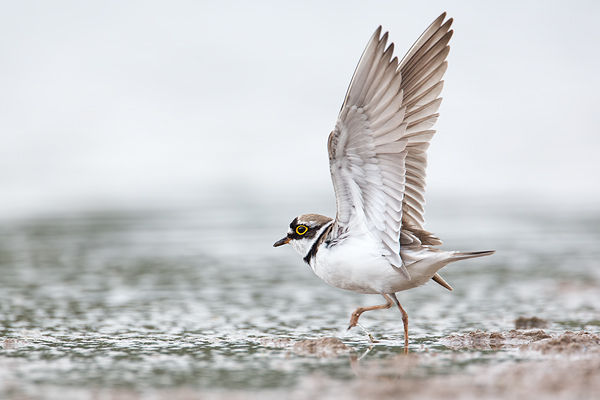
pixel 194 296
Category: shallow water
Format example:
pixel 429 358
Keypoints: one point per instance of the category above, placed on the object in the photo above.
pixel 195 296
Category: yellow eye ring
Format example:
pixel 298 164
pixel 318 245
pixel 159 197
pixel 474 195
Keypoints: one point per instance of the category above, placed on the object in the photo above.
pixel 301 230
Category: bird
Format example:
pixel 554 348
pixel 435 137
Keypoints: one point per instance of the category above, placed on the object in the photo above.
pixel 377 157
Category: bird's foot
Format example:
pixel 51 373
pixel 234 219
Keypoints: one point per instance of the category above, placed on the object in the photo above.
pixel 367 333
pixel 354 322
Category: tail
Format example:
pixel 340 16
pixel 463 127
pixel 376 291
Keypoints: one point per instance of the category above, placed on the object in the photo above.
pixel 457 257
pixel 473 254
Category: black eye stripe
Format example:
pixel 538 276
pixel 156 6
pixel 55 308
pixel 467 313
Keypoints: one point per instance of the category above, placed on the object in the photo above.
pixel 311 230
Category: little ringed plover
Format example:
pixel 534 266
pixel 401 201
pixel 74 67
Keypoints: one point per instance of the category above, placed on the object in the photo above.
pixel 377 157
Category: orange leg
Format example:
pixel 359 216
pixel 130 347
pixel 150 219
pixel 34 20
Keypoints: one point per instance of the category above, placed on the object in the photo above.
pixel 360 310
pixel 404 321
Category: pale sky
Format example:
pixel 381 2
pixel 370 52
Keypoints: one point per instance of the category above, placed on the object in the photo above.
pixel 115 101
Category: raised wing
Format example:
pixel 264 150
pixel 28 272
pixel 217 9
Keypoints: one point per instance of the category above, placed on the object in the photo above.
pixel 377 151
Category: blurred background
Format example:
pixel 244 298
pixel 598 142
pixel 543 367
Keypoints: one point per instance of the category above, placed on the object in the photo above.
pixel 112 103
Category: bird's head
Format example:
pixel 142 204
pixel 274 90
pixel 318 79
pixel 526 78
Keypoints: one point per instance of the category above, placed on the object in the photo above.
pixel 304 231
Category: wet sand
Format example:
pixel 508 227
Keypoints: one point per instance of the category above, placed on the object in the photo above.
pixel 568 368
pixel 559 366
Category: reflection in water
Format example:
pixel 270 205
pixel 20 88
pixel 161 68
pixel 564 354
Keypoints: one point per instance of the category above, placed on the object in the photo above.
pixel 196 297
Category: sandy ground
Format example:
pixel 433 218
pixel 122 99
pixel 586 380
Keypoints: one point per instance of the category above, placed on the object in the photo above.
pixel 565 366
pixel 569 368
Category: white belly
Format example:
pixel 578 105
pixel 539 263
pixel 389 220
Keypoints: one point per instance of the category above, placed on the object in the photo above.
pixel 362 269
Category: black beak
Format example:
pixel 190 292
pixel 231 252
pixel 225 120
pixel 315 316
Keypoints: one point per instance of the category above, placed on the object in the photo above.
pixel 281 242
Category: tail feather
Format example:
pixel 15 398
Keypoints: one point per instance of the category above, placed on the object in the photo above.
pixel 457 256
pixel 439 280
pixel 473 254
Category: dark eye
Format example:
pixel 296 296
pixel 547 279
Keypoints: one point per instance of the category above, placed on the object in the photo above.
pixel 301 230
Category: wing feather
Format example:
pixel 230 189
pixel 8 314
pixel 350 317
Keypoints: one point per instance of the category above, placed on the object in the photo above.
pixel 392 136
pixel 424 111
pixel 377 151
pixel 384 71
pixel 425 96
